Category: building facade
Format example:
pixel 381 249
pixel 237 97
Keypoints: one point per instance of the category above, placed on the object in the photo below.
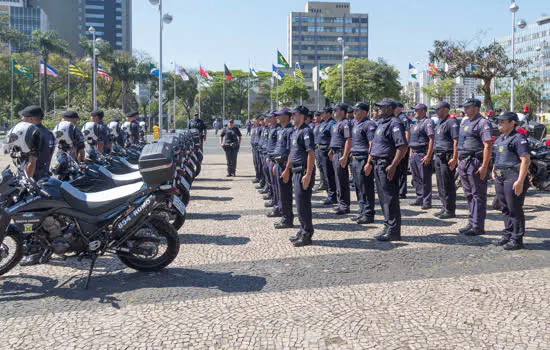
pixel 18 15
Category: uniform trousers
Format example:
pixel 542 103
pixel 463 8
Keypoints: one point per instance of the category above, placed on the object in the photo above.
pixel 475 191
pixel 327 169
pixel 422 178
pixel 364 188
pixel 446 185
pixel 342 181
pixel 511 205
pixel 231 153
pixel 303 201
pixel 388 193
pixel 285 195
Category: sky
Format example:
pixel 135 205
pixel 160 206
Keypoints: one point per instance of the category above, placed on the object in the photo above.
pixel 213 32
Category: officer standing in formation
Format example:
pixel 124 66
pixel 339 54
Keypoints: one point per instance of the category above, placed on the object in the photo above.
pixel 269 148
pixel 361 139
pixel 421 153
pixel 404 165
pixel 41 167
pixel 103 143
pixel 474 153
pixel 389 146
pixel 301 165
pixel 511 182
pixel 254 136
pixel 340 146
pixel 78 152
pixel 446 160
pixel 133 129
pixel 198 124
pixel 280 159
pixel 322 186
pixel 230 141
pixel 323 145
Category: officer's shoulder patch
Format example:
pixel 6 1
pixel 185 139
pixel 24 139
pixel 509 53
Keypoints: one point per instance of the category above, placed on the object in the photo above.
pixel 523 141
pixel 455 125
pixel 396 128
pixel 306 136
pixel 486 127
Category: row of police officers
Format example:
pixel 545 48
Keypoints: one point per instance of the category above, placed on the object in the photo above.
pixel 288 148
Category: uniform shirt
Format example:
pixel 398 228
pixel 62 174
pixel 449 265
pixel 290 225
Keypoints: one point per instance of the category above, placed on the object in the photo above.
pixel 272 138
pixel 284 141
pixel 421 133
pixel 445 133
pixel 473 133
pixel 197 124
pixel 405 121
pixel 389 135
pixel 253 136
pixel 341 131
pixel 45 152
pixel 508 150
pixel 134 131
pixel 80 143
pixel 361 136
pixel 103 133
pixel 302 143
pixel 263 138
pixel 325 132
pixel 316 131
pixel 231 135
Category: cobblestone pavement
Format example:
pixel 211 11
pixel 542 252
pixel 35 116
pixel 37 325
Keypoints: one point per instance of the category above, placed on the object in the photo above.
pixel 238 283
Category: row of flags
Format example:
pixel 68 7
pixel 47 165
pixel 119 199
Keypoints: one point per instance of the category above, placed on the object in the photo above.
pixel 433 70
pixel 51 71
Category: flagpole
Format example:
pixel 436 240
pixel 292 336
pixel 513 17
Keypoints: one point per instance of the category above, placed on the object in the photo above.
pixel 223 105
pixel 11 99
pixel 68 84
pixel 277 93
pixel 271 94
pixel 40 85
pixel 248 87
pixel 175 83
pixel 318 87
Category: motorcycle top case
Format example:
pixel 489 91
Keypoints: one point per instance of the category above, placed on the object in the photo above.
pixel 156 163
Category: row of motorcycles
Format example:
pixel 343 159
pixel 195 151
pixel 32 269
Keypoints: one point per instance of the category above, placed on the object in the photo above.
pixel 130 202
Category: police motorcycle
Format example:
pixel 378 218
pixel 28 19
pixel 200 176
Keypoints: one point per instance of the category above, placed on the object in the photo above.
pixel 180 182
pixel 539 169
pixel 53 217
pixel 194 150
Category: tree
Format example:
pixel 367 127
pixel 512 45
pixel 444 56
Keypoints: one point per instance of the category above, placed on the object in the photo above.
pixel 292 91
pixel 47 43
pixel 185 92
pixel 528 92
pixel 440 89
pixel 489 62
pixel 364 80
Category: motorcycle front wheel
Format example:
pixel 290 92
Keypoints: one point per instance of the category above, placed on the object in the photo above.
pixel 11 251
pixel 152 247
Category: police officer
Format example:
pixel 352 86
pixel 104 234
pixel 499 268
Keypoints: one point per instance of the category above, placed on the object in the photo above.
pixel 254 144
pixel 34 115
pixel 133 132
pixel 269 148
pixel 474 153
pixel 511 182
pixel 261 150
pixel 258 151
pixel 388 149
pixel 325 166
pixel 103 145
pixel 446 160
pixel 280 158
pixel 78 152
pixel 361 138
pixel 420 155
pixel 198 124
pixel 301 164
pixel 268 189
pixel 340 146
pixel 230 141
pixel 322 186
pixel 404 170
pixel 309 120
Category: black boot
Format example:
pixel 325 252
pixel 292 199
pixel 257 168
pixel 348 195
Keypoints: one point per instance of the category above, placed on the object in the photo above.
pixel 305 239
pixel 295 237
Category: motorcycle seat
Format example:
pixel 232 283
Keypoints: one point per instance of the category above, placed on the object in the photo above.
pixel 98 203
pixel 122 179
pixel 129 165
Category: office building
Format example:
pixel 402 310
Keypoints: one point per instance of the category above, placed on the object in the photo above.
pixel 313 35
pixel 18 15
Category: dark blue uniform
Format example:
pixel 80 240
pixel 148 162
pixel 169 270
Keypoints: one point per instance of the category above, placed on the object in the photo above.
pixel 134 132
pixel 254 139
pixel 199 125
pixel 404 165
pixel 269 148
pixel 389 135
pixel 445 135
pixel 362 135
pixel 231 145
pixel 263 154
pixel 284 190
pixel 470 152
pixel 104 136
pixel 45 152
pixel 421 174
pixel 508 151
pixel 316 129
pixel 302 143
pixel 325 166
pixel 341 132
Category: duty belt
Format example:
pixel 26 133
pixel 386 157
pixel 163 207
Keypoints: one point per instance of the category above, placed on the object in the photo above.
pixel 418 150
pixel 297 169
pixel 382 160
pixel 336 149
pixel 229 144
pixel 359 157
pixel 322 147
pixel 506 171
pixel 470 156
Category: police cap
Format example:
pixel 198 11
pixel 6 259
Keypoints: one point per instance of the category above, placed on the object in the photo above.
pixel 442 104
pixel 284 111
pixel 98 113
pixel 33 111
pixel 132 114
pixel 361 106
pixel 326 110
pixel 70 115
pixel 472 102
pixel 420 106
pixel 301 110
pixel 508 116
pixel 340 106
pixel 387 102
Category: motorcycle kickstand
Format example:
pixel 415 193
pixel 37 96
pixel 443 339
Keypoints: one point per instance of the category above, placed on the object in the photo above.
pixel 92 265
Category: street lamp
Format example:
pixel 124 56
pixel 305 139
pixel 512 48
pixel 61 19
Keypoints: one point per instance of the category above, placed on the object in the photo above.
pixel 341 41
pixel 167 19
pixel 521 24
pixel 95 52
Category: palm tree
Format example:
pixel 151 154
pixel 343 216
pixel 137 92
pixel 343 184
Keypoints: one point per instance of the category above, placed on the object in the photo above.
pixel 124 68
pixel 46 43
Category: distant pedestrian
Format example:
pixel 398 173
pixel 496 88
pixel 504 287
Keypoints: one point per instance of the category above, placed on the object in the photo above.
pixel 230 141
pixel 248 128
pixel 217 126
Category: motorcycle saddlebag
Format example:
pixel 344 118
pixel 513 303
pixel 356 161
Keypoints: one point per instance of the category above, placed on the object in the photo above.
pixel 156 163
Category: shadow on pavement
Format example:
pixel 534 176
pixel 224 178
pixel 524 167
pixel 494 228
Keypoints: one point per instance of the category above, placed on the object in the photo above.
pixel 213 216
pixel 217 240
pixel 344 227
pixel 211 198
pixel 358 243
pixel 210 188
pixel 105 288
pixel 211 179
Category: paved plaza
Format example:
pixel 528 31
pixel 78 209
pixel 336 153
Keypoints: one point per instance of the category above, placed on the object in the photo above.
pixel 239 283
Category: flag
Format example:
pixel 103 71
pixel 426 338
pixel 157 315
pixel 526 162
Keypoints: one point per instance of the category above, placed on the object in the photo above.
pixel 205 73
pixel 74 70
pixel 281 61
pixel 433 69
pixel 49 69
pixel 19 69
pixel 228 75
pixel 298 72
pixel 102 73
pixel 412 71
pixel 253 72
pixel 277 73
pixel 155 71
pixel 473 69
pixel 182 74
pixel 323 73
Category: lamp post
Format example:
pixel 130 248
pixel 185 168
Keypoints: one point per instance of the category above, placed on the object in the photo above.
pixel 341 41
pixel 522 24
pixel 166 18
pixel 95 52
